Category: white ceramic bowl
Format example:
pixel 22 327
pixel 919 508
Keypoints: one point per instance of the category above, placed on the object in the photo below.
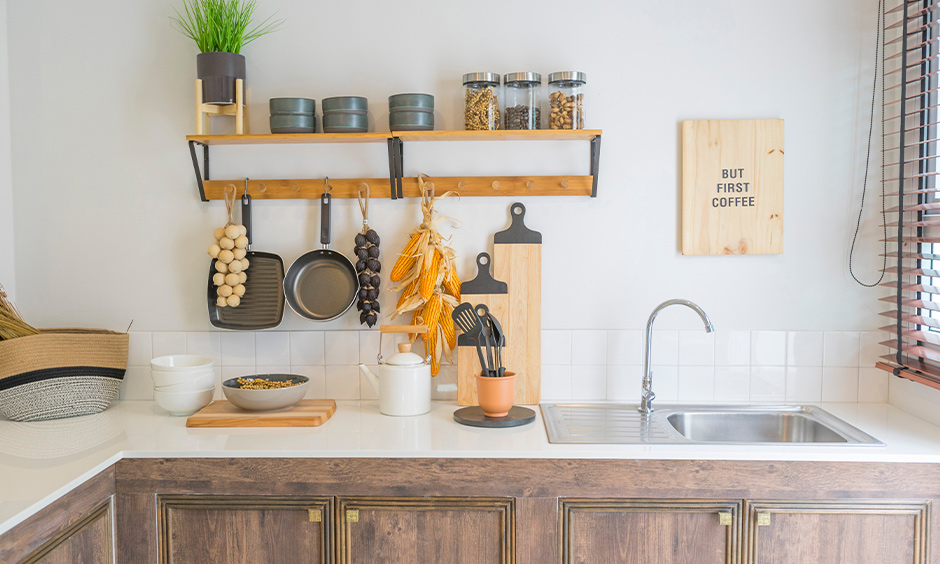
pixel 198 383
pixel 161 379
pixel 263 400
pixel 180 363
pixel 183 403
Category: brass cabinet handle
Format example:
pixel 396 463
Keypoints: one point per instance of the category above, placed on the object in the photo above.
pixel 724 518
pixel 315 515
pixel 763 519
pixel 352 515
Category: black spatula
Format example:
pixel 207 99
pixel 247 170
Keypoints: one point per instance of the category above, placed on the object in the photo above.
pixel 469 322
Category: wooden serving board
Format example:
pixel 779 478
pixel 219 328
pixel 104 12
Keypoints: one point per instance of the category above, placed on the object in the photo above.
pixel 483 289
pixel 517 259
pixel 306 413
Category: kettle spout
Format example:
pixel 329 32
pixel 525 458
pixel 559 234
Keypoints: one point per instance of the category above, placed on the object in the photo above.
pixel 370 376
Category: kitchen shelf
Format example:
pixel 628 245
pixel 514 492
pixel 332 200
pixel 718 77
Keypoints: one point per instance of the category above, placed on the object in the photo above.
pixel 399 187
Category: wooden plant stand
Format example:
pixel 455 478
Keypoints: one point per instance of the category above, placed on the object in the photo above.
pixel 205 111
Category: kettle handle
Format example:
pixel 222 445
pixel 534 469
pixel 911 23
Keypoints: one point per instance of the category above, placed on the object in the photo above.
pixel 413 329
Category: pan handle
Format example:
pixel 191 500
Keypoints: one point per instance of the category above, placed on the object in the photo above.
pixel 325 219
pixel 246 216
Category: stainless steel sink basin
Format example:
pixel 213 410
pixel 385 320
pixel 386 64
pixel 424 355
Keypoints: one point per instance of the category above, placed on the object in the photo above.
pixel 623 424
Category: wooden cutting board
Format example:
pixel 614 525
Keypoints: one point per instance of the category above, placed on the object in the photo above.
pixel 483 289
pixel 306 413
pixel 517 259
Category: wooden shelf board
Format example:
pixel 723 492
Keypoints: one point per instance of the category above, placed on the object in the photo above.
pixel 479 186
pixel 519 135
pixel 300 138
pixel 290 138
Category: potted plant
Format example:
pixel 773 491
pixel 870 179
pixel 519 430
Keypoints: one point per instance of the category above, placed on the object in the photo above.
pixel 220 30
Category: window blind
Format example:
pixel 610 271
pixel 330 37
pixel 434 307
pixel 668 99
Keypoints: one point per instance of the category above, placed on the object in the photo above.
pixel 909 168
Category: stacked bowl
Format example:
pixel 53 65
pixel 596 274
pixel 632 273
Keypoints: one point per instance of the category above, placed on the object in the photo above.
pixel 293 115
pixel 345 114
pixel 411 112
pixel 182 383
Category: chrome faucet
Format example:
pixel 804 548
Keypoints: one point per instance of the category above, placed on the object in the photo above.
pixel 646 401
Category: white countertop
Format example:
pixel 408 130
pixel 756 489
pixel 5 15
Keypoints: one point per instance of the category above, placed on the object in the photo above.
pixel 40 462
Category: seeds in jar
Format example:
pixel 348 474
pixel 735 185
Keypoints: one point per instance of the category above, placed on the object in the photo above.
pixel 481 110
pixel 517 117
pixel 567 111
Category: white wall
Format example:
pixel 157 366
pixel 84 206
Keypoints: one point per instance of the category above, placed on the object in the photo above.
pixel 7 278
pixel 109 227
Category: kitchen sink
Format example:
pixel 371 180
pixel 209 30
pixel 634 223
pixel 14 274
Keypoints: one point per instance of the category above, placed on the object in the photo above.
pixel 752 425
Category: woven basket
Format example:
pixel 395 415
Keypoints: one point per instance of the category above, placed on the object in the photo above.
pixel 61 373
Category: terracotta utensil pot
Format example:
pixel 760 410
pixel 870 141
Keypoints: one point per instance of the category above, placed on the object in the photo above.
pixel 496 394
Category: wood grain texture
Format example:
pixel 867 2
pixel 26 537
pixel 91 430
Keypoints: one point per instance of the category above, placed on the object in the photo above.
pixel 861 532
pixel 398 530
pixel 520 266
pixel 536 520
pixel 742 162
pixel 60 516
pixel 635 531
pixel 466 186
pixel 306 413
pixel 243 530
pixel 87 542
pixel 136 527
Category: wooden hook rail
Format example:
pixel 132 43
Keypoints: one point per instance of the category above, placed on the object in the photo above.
pixel 479 186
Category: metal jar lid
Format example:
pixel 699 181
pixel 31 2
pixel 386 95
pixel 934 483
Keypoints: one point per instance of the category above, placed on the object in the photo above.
pixel 523 77
pixel 568 76
pixel 481 77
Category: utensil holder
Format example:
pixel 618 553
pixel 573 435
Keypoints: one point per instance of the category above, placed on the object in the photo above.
pixel 496 394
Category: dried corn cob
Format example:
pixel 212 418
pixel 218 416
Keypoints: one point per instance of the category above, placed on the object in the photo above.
pixel 447 326
pixel 452 283
pixel 432 312
pixel 432 341
pixel 410 290
pixel 429 275
pixel 406 260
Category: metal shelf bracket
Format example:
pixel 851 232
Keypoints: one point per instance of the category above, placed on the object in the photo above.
pixel 200 176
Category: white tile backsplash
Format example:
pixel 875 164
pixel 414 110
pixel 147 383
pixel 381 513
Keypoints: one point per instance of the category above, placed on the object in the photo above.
pixel 689 366
pixel 589 348
pixel 696 348
pixel 804 348
pixel 272 347
pixel 841 348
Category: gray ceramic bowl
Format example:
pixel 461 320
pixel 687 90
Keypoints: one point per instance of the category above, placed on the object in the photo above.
pixel 410 121
pixel 411 101
pixel 292 106
pixel 265 400
pixel 345 122
pixel 344 103
pixel 293 123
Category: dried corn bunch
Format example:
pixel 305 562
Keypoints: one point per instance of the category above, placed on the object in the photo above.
pixel 427 278
pixel 11 324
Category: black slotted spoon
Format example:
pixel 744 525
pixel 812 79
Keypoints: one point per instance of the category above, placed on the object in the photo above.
pixel 469 322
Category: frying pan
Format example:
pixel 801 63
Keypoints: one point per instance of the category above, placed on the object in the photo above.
pixel 262 306
pixel 321 284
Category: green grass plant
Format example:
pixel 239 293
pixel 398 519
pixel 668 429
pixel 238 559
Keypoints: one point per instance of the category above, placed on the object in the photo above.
pixel 221 25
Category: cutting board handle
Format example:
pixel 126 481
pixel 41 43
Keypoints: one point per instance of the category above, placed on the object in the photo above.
pixel 484 283
pixel 517 233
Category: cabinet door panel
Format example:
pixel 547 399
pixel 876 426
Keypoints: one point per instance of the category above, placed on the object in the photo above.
pixel 837 532
pixel 433 530
pixel 89 542
pixel 626 531
pixel 243 530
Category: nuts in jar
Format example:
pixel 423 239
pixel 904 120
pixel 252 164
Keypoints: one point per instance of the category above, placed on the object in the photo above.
pixel 566 100
pixel 481 101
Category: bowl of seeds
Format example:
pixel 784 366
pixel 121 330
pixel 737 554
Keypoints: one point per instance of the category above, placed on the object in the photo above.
pixel 265 392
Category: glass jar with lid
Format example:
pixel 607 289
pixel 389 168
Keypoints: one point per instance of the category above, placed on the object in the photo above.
pixel 566 99
pixel 481 101
pixel 522 93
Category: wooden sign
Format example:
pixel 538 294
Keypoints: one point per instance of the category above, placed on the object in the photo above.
pixel 732 187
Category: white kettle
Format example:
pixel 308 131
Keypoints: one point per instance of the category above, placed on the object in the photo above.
pixel 403 382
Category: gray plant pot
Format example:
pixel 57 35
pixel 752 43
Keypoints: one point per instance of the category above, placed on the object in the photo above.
pixel 218 72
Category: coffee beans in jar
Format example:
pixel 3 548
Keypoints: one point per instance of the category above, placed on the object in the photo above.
pixel 522 93
pixel 481 101
pixel 566 100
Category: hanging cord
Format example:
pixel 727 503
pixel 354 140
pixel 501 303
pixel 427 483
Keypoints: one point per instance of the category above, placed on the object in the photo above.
pixel 363 205
pixel 871 126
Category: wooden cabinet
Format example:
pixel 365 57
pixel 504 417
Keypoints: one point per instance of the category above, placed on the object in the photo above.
pixel 442 530
pixel 628 531
pixel 244 530
pixel 87 542
pixel 880 532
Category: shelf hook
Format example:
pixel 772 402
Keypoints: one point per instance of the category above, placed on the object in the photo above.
pixel 246 187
